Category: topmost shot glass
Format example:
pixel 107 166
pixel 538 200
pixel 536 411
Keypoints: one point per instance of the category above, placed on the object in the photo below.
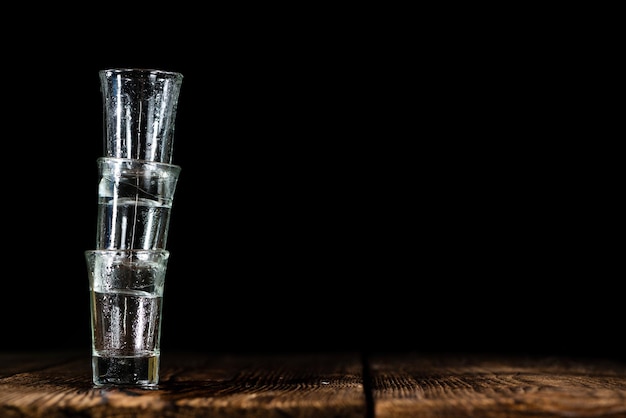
pixel 139 113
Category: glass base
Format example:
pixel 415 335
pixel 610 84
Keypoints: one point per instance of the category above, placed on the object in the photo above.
pixel 141 371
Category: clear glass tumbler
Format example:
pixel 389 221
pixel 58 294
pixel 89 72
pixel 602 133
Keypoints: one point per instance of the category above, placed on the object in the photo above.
pixel 139 112
pixel 126 288
pixel 134 203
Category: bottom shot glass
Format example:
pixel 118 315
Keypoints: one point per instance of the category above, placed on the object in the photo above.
pixel 126 299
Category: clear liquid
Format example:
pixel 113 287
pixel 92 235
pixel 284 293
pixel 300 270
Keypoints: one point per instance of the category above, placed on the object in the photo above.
pixel 125 370
pixel 126 323
pixel 130 223
pixel 126 337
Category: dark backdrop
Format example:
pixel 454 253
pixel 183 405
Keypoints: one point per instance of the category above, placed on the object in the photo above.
pixel 343 187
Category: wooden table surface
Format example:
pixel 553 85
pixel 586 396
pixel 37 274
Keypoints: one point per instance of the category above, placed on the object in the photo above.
pixel 310 385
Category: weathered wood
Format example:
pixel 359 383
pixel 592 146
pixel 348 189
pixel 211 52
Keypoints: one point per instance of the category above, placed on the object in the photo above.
pixel 426 385
pixel 58 385
pixel 192 385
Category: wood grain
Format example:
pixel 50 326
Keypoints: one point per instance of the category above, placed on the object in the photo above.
pixel 423 385
pixel 192 385
pixel 55 385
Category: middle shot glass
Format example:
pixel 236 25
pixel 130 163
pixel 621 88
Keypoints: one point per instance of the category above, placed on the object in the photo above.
pixel 134 203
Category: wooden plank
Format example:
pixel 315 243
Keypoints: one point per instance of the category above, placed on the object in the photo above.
pixel 429 385
pixel 192 385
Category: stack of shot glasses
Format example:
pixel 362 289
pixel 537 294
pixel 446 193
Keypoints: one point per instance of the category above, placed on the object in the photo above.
pixel 136 187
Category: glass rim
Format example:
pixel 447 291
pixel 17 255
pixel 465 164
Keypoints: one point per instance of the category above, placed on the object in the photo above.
pixel 136 161
pixel 129 251
pixel 142 71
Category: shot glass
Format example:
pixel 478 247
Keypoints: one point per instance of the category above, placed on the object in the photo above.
pixel 139 112
pixel 126 289
pixel 134 203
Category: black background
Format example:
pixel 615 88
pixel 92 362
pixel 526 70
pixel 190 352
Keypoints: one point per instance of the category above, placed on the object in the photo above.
pixel 347 183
